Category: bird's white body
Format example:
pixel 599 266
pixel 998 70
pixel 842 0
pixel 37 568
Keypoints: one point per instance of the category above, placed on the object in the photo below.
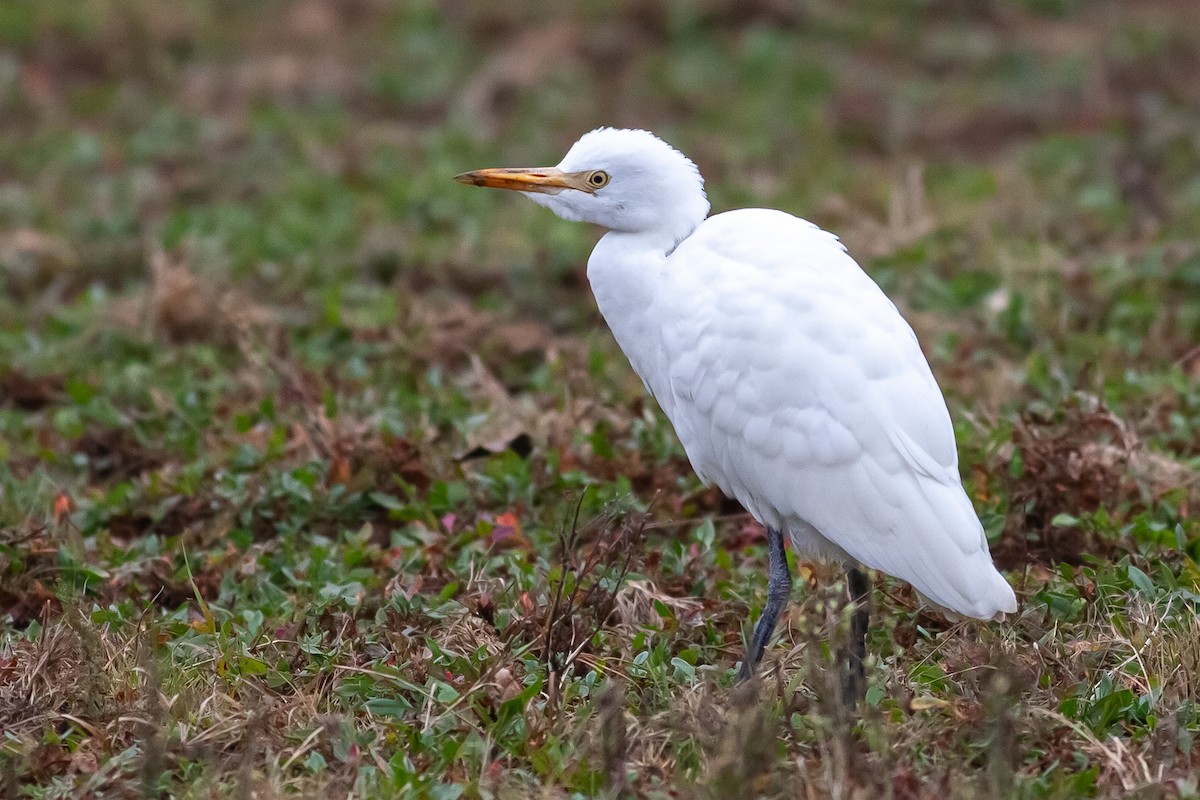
pixel 795 386
pixel 792 381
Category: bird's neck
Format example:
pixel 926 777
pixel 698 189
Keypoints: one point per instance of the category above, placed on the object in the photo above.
pixel 624 267
pixel 630 275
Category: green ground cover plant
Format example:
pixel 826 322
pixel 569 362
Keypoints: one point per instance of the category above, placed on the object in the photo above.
pixel 320 476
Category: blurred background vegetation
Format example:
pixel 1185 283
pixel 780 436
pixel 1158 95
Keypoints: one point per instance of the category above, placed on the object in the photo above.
pixel 296 146
pixel 249 327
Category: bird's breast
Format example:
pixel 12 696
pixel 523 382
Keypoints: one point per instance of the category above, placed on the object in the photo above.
pixel 631 291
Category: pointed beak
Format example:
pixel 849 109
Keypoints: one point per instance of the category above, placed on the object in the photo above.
pixel 547 180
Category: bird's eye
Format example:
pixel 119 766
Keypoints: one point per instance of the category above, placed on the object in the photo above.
pixel 598 179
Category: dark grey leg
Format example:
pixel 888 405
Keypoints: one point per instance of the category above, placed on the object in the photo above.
pixel 779 589
pixel 860 600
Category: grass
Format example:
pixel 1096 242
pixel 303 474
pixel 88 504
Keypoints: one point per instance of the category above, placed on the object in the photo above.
pixel 319 475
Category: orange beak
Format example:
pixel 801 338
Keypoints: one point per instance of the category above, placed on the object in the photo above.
pixel 547 180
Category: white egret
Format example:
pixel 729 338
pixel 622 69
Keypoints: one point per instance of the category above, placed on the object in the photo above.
pixel 791 379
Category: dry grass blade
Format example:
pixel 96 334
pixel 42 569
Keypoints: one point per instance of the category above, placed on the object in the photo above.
pixel 584 595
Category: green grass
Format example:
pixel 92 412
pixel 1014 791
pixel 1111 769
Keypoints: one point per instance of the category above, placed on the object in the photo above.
pixel 319 475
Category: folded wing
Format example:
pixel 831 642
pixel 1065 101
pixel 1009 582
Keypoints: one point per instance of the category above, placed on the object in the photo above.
pixel 796 386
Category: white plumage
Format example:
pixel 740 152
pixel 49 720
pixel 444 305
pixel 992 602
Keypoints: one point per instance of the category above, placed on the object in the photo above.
pixel 795 386
pixel 792 381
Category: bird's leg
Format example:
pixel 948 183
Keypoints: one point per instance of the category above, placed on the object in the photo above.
pixel 779 588
pixel 860 600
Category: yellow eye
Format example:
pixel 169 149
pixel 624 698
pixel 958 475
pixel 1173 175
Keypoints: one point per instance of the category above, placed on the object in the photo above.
pixel 598 179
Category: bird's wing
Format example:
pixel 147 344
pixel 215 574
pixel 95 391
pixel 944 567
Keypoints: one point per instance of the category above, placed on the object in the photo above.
pixel 796 386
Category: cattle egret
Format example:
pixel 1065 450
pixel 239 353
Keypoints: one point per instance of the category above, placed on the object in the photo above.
pixel 792 381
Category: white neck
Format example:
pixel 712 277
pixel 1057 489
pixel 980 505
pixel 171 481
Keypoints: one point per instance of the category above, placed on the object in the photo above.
pixel 627 272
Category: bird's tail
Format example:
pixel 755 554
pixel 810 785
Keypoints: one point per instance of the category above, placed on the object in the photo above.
pixel 964 579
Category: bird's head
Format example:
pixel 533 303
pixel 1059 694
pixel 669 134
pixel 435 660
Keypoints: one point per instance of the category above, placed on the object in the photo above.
pixel 623 180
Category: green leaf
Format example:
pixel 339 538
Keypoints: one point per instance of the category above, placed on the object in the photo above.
pixel 253 620
pixel 683 669
pixel 1140 579
pixel 386 501
pixel 249 665
pixel 444 692
pixel 388 707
